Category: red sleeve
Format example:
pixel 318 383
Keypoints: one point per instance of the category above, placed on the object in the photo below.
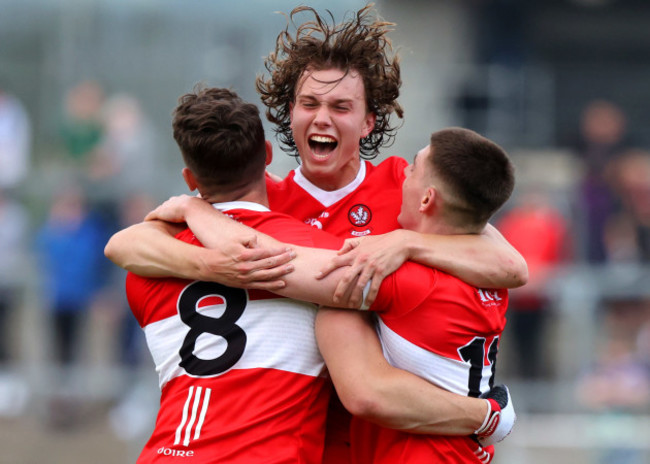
pixel 405 289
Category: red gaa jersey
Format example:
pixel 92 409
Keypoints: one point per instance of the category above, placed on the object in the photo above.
pixel 241 377
pixel 369 205
pixel 445 331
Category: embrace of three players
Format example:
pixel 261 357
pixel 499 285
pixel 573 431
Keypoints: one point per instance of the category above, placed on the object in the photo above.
pixel 349 313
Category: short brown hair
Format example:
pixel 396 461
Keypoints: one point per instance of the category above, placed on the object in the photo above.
pixel 476 171
pixel 221 138
pixel 360 44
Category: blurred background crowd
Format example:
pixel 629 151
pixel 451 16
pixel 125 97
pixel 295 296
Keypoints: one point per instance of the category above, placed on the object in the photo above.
pixel 86 93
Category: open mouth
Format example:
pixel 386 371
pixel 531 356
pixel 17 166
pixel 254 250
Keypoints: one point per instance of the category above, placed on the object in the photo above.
pixel 322 145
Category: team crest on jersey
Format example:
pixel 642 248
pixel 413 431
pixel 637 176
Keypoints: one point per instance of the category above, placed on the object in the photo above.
pixel 360 215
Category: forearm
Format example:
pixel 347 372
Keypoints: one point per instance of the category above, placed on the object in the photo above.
pixel 486 260
pixel 150 249
pixel 213 228
pixel 371 388
pixel 301 284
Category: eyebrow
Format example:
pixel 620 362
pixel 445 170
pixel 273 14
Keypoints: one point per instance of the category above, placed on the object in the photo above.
pixel 338 101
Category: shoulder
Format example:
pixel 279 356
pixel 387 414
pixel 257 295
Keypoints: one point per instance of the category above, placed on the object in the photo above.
pixel 407 287
pixel 290 230
pixel 390 168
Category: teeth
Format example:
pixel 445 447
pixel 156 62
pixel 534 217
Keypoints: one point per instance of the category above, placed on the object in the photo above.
pixel 322 139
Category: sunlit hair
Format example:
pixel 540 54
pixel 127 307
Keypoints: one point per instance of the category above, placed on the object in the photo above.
pixel 221 138
pixel 477 173
pixel 359 44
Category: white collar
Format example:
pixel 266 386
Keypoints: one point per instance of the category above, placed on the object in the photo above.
pixel 228 205
pixel 325 197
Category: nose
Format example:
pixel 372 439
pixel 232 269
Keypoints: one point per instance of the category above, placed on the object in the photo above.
pixel 323 116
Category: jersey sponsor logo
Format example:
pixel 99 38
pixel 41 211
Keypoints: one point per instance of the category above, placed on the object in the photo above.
pixel 176 453
pixel 488 297
pixel 360 215
pixel 194 412
pixel 316 222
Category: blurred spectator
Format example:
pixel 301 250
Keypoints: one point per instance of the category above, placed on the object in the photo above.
pixel 70 246
pixel 81 128
pixel 124 161
pixel 15 141
pixel 602 138
pixel 627 233
pixel 13 233
pixel 129 339
pixel 619 381
pixel 539 231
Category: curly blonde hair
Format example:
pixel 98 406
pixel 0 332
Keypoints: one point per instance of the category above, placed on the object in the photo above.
pixel 359 44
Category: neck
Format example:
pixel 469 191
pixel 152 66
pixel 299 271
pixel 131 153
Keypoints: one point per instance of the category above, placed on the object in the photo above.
pixel 333 181
pixel 440 226
pixel 254 194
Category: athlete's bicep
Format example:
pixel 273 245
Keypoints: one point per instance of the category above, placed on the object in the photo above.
pixel 149 248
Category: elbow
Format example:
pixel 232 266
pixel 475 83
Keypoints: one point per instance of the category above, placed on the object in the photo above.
pixel 520 273
pixel 363 406
pixel 116 252
pixel 111 251
pixel 371 406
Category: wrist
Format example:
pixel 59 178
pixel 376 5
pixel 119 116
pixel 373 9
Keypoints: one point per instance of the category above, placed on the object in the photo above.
pixel 410 243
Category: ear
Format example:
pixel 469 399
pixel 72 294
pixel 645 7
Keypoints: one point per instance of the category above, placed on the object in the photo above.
pixel 269 152
pixel 428 201
pixel 369 124
pixel 190 180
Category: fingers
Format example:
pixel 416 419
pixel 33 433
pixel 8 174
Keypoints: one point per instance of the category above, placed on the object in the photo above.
pixel 374 289
pixel 345 286
pixel 335 263
pixel 151 215
pixel 264 273
pixel 265 278
pixel 349 291
pixel 349 245
pixel 264 258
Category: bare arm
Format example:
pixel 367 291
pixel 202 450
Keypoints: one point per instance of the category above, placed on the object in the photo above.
pixel 371 388
pixel 150 249
pixel 486 260
pixel 301 284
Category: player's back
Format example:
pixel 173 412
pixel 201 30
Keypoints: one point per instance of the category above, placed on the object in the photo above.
pixel 446 331
pixel 241 376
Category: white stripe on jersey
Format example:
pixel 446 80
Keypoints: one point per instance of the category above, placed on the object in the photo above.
pixel 448 373
pixel 279 332
pixel 195 404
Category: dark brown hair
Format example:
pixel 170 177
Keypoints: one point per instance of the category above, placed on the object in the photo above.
pixel 221 138
pixel 359 44
pixel 476 171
